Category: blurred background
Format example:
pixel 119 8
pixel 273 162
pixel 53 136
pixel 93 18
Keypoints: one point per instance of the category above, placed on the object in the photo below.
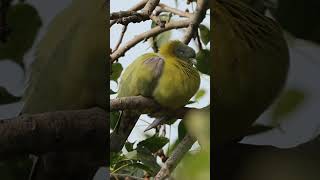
pixel 17 55
pixel 295 115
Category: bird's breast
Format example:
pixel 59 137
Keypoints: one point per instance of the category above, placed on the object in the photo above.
pixel 179 81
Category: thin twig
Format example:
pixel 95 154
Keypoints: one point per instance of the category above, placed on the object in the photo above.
pixel 137 7
pixel 124 29
pixel 126 17
pixel 123 14
pixel 154 31
pixel 157 20
pixel 176 11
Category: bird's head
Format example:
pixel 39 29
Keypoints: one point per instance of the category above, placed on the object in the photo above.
pixel 177 49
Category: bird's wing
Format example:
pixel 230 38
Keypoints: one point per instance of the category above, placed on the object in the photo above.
pixel 141 77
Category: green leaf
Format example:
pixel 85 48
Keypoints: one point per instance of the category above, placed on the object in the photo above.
pixel 190 102
pixel 116 159
pixel 164 37
pixel 200 94
pixel 129 146
pixel 6 97
pixel 170 121
pixel 141 167
pixel 143 155
pixel 198 125
pixel 18 168
pixel 204 34
pixel 132 155
pixel 194 166
pixel 288 102
pixel 116 71
pixel 203 61
pixel 154 143
pixel 165 17
pixel 24 23
pixel 148 159
pixel 182 131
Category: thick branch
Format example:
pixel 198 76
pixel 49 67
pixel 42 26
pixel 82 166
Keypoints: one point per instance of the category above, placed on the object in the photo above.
pixel 126 17
pixel 154 31
pixel 54 131
pixel 150 6
pixel 144 106
pixel 197 18
pixel 138 104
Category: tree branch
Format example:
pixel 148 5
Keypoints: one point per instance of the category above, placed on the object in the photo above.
pixel 142 105
pixel 137 7
pixel 188 140
pixel 79 130
pixel 145 105
pixel 176 11
pixel 197 18
pixel 176 157
pixel 124 29
pixel 154 31
pixel 150 6
pixel 126 17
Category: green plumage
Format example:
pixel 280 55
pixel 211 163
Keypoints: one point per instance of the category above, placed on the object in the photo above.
pixel 70 66
pixel 173 86
pixel 69 73
pixel 250 66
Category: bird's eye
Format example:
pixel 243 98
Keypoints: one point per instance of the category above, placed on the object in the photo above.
pixel 180 51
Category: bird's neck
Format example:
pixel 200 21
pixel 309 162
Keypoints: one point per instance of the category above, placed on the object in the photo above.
pixel 168 55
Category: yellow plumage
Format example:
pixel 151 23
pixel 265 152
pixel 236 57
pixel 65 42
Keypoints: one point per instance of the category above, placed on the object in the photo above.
pixel 173 87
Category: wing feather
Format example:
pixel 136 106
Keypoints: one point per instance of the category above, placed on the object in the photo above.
pixel 141 77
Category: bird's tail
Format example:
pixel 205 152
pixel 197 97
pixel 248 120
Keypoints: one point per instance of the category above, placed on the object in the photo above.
pixel 157 122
